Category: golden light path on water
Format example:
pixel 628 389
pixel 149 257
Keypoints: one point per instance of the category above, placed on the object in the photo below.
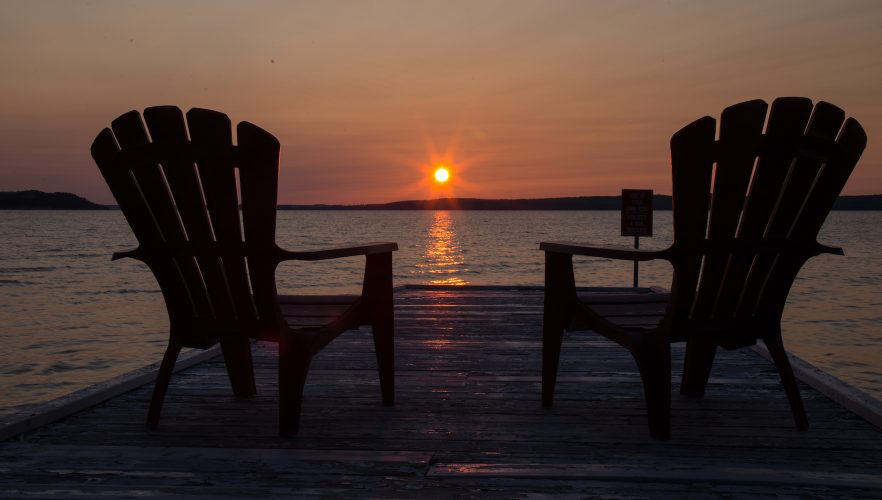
pixel 444 261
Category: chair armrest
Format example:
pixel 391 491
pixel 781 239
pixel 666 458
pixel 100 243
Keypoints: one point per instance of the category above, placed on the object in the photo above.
pixel 604 252
pixel 336 253
pixel 134 253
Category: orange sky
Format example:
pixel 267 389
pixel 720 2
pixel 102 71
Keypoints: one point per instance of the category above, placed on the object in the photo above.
pixel 521 99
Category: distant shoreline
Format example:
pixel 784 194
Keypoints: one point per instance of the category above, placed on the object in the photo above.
pixel 660 202
pixel 38 200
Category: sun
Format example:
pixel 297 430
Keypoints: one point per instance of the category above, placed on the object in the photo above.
pixel 441 175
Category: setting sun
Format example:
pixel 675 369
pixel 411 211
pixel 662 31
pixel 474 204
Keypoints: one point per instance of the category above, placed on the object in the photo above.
pixel 442 174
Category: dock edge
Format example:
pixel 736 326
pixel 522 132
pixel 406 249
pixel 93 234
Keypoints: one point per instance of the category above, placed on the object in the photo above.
pixel 42 414
pixel 849 397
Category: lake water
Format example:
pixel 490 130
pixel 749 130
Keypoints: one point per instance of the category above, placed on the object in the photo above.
pixel 69 317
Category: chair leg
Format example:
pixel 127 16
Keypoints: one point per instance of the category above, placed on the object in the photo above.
pixel 654 363
pixel 377 295
pixel 294 360
pixel 788 380
pixel 237 358
pixel 560 291
pixel 697 366
pixel 552 339
pixel 384 344
pixel 162 379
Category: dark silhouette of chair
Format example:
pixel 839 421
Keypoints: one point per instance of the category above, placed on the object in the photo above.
pixel 747 209
pixel 176 183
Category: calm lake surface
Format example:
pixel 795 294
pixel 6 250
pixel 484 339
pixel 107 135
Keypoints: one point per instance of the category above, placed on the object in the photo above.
pixel 69 317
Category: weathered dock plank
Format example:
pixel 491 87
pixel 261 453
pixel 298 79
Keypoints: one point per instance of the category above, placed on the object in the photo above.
pixel 467 423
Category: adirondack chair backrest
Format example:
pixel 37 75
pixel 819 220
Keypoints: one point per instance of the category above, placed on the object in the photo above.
pixel 176 183
pixel 747 209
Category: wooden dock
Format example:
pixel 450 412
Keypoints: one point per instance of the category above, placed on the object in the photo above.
pixel 467 424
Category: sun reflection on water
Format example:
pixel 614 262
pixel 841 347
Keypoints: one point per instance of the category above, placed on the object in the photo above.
pixel 443 261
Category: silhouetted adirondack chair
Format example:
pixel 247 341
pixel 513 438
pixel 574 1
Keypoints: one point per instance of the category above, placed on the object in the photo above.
pixel 766 195
pixel 178 190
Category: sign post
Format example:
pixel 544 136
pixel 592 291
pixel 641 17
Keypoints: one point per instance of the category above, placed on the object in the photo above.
pixel 636 218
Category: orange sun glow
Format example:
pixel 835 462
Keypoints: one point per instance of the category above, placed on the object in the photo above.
pixel 441 175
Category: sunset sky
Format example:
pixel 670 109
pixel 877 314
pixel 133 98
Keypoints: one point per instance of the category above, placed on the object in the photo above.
pixel 518 98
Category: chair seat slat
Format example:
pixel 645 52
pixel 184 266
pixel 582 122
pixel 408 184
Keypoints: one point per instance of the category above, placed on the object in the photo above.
pixel 623 298
pixel 645 309
pixel 313 310
pixel 318 299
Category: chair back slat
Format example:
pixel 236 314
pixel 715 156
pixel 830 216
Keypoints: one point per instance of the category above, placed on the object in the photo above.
pixel 259 178
pixel 692 157
pixel 168 132
pixel 149 176
pixel 741 129
pixel 771 193
pixel 211 133
pixel 851 143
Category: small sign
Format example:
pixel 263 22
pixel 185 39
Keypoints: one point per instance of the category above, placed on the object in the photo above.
pixel 636 212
